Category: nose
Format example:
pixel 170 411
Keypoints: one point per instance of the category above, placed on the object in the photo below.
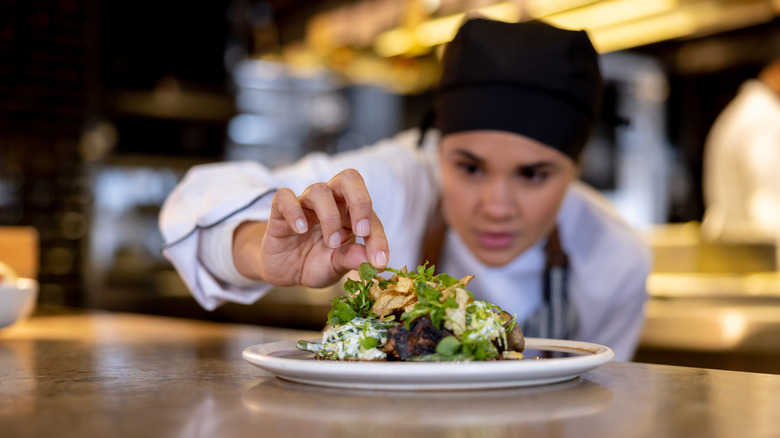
pixel 497 201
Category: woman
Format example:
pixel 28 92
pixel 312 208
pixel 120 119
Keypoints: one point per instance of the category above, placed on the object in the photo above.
pixel 513 110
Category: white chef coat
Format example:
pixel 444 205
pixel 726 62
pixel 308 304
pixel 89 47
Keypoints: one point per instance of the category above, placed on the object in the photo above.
pixel 609 263
pixel 741 178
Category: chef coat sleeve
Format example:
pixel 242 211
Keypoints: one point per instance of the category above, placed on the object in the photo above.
pixel 199 216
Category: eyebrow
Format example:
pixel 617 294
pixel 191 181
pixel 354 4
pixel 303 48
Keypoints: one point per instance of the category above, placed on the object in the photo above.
pixel 524 167
pixel 468 155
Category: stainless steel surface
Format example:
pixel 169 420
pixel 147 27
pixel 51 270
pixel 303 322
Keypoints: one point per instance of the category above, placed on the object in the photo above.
pixel 112 374
pixel 711 304
pixel 714 326
pixel 682 248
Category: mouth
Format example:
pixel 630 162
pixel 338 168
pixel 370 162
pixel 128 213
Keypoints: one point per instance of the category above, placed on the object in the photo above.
pixel 495 240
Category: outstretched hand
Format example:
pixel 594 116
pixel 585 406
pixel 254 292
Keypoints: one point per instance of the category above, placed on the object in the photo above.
pixel 309 240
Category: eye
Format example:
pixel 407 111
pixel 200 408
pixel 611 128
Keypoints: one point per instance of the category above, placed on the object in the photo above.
pixel 534 174
pixel 468 168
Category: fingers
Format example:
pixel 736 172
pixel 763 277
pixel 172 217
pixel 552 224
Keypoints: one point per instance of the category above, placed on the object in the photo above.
pixel 377 247
pixel 373 250
pixel 343 202
pixel 349 186
pixel 285 206
pixel 319 198
pixel 343 209
pixel 350 256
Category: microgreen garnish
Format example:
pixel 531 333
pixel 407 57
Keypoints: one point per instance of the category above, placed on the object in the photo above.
pixel 357 302
pixel 367 272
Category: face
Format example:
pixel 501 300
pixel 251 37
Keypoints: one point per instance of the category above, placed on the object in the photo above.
pixel 501 191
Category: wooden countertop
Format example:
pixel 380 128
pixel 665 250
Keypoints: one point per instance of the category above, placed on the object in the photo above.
pixel 97 374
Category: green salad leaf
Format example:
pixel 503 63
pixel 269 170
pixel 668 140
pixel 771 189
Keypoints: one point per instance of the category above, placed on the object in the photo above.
pixel 357 302
pixel 367 272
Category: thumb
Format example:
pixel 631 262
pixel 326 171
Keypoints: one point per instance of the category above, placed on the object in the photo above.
pixel 348 257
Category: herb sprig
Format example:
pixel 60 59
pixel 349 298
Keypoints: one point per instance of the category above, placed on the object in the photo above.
pixel 357 302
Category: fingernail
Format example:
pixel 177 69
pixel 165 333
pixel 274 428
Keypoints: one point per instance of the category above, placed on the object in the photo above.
pixel 380 259
pixel 362 228
pixel 300 225
pixel 335 240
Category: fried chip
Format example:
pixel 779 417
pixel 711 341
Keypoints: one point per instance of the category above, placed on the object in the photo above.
pixel 400 294
pixel 405 284
pixel 391 301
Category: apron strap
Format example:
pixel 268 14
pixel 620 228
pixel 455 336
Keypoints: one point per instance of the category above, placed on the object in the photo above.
pixel 555 316
pixel 433 239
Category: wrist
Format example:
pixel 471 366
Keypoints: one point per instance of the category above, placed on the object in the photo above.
pixel 247 240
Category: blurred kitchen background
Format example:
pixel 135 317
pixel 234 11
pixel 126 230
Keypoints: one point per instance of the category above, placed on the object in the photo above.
pixel 105 104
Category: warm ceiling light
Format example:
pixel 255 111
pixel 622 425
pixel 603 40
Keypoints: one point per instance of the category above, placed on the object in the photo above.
pixel 612 24
pixel 394 42
pixel 442 30
pixel 439 31
pixel 608 13
pixel 679 22
pixel 648 31
pixel 505 11
pixel 540 8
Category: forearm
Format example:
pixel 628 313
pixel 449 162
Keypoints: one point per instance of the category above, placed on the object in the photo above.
pixel 247 239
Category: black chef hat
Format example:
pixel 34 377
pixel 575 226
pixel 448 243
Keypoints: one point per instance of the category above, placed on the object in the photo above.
pixel 529 78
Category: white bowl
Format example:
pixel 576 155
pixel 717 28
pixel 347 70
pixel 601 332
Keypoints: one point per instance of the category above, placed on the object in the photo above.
pixel 17 301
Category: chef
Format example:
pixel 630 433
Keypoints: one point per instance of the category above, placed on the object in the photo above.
pixel 740 178
pixel 490 189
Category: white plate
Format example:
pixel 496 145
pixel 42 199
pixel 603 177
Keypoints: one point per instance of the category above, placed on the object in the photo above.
pixel 287 362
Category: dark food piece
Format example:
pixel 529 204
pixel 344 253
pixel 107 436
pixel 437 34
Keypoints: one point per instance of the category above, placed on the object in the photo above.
pixel 421 339
pixel 515 337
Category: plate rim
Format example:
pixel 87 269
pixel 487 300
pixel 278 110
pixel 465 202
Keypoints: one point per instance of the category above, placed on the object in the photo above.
pixel 431 375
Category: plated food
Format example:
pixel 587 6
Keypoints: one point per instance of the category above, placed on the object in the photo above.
pixel 415 316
